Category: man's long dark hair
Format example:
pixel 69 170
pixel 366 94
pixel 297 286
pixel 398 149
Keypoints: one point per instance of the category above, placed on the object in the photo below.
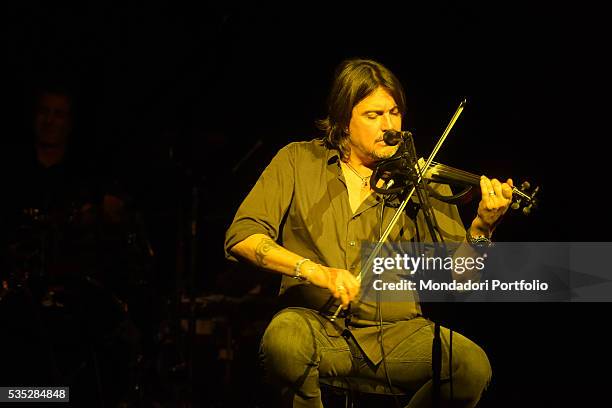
pixel 354 80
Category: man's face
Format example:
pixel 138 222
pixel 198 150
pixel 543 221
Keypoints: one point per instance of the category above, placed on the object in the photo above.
pixel 53 119
pixel 370 118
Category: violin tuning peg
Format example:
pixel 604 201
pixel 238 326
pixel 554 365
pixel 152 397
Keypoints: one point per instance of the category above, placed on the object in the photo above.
pixel 516 205
pixel 527 210
pixel 525 185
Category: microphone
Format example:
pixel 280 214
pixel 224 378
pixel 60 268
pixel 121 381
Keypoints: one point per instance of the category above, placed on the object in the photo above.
pixel 392 137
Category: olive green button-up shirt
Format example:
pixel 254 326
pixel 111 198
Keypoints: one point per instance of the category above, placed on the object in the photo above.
pixel 302 202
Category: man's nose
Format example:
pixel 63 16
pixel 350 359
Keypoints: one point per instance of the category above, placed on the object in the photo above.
pixel 386 122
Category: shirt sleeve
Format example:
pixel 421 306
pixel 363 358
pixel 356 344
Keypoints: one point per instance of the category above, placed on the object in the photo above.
pixel 264 208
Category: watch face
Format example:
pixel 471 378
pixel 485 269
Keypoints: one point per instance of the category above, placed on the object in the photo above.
pixel 482 240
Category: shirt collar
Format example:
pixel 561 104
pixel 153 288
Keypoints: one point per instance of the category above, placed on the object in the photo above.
pixel 333 156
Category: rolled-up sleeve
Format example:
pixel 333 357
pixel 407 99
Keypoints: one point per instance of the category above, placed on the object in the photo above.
pixel 264 208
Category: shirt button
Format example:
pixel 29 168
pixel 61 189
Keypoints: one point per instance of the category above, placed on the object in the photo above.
pixel 352 243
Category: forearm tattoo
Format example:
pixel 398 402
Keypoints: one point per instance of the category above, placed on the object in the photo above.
pixel 262 249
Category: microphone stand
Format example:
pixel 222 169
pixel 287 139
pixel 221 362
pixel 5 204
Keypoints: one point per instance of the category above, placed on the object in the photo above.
pixel 434 230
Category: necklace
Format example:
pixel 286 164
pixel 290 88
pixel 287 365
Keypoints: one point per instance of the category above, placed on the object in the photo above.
pixel 364 180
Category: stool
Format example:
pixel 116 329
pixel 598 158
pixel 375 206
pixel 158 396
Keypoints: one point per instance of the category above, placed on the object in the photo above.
pixel 351 387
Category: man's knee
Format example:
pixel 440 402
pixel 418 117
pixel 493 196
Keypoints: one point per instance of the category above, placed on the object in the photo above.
pixel 472 372
pixel 288 345
pixel 479 368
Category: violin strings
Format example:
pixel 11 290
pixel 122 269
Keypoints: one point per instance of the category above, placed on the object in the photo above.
pixel 450 171
pixel 470 177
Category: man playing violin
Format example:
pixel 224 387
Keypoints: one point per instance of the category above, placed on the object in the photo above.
pixel 306 217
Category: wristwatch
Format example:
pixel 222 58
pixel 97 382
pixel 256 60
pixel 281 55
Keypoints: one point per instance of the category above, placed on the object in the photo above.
pixel 479 242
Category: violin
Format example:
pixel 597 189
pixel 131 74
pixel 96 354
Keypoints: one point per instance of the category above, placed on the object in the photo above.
pixel 523 196
pixel 397 169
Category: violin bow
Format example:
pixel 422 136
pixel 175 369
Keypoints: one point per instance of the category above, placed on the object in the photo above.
pixel 400 209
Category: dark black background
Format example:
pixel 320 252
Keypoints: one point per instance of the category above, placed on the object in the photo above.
pixel 176 94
